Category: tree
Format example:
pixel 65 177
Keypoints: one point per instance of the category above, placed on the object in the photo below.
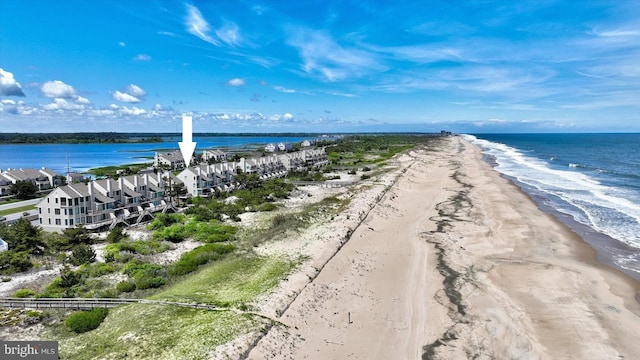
pixel 82 254
pixel 76 236
pixel 24 189
pixel 23 237
pixel 116 235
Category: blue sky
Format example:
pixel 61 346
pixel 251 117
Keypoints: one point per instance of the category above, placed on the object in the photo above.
pixel 320 66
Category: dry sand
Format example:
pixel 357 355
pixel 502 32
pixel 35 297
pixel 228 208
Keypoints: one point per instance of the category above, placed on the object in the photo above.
pixel 453 262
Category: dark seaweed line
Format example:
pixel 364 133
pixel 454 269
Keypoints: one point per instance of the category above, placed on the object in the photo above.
pixel 449 210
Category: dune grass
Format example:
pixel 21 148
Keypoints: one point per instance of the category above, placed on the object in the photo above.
pixel 233 281
pixel 154 332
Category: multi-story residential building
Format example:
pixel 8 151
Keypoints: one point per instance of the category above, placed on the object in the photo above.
pixel 285 146
pixel 169 161
pixel 42 178
pixel 214 155
pixel 201 180
pixel 270 147
pixel 308 143
pixel 103 203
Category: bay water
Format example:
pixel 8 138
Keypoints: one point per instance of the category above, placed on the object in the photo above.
pixel 82 157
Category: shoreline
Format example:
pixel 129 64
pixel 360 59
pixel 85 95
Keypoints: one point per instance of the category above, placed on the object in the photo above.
pixel 457 261
pixel 603 246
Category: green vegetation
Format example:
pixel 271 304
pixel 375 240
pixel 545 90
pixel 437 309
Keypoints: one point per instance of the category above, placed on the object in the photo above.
pixel 233 281
pixel 76 138
pixel 153 332
pixel 116 171
pixel 84 321
pixel 23 190
pixel 24 293
pixel 17 210
pixel 372 150
pixel 82 254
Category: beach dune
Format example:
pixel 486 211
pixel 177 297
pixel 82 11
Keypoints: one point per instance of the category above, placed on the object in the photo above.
pixel 456 262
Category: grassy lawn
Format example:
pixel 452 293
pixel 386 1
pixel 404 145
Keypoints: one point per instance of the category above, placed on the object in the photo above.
pixel 17 210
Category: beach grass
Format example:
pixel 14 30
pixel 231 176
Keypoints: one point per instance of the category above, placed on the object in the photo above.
pixel 234 281
pixel 143 331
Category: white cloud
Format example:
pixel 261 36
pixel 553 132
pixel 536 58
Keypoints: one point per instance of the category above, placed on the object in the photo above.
pixel 166 33
pixel 198 26
pixel 133 111
pixel 82 100
pixel 229 33
pixel 142 57
pixel 8 85
pixel 62 104
pixel 157 107
pixel 122 43
pixel 236 82
pixel 58 89
pixel 287 116
pixel 135 90
pixel 325 58
pixel 124 97
pixel 284 90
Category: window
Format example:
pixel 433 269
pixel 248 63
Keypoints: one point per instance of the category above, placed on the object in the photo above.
pixel 70 211
pixel 75 201
pixel 39 210
pixel 57 211
pixel 48 211
pixel 49 221
pixel 57 221
pixel 40 221
pixel 56 200
pixel 63 201
pixel 66 222
pixel 70 222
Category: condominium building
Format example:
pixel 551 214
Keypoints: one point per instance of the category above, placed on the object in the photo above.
pixel 103 203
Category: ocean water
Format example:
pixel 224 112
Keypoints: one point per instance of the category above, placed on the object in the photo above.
pixel 589 181
pixel 82 157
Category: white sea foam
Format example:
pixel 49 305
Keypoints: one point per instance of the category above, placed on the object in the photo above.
pixel 608 210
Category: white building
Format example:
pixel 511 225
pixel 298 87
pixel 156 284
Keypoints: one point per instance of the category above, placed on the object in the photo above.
pixel 285 146
pixel 270 147
pixel 171 160
pixel 103 203
pixel 214 155
pixel 42 178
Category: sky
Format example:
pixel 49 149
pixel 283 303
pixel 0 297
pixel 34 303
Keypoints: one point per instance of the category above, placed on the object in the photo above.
pixel 320 66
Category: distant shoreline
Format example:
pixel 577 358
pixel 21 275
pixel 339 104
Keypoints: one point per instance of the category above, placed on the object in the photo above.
pixel 145 137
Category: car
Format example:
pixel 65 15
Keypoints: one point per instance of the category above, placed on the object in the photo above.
pixel 2 219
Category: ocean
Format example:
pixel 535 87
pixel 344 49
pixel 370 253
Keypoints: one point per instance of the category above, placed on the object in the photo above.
pixel 591 182
pixel 82 157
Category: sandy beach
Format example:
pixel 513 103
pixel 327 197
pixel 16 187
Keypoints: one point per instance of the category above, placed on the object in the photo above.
pixel 446 259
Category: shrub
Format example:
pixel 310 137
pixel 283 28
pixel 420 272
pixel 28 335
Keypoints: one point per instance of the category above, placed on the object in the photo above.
pixel 116 235
pixel 68 278
pixel 99 269
pixel 201 255
pixel 126 286
pixel 278 220
pixel 84 321
pixel 24 293
pixel 164 220
pixel 267 207
pixel 149 282
pixel 82 254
